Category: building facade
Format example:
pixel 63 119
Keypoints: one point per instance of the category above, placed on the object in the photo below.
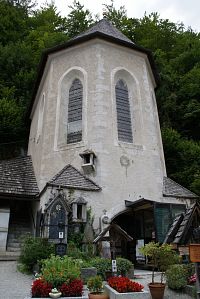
pixel 95 141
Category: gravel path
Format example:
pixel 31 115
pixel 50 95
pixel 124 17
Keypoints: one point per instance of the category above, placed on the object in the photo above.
pixel 13 284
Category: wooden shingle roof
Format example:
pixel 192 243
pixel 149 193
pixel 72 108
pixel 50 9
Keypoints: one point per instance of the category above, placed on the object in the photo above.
pixel 180 230
pixel 173 189
pixel 70 177
pixel 105 27
pixel 17 177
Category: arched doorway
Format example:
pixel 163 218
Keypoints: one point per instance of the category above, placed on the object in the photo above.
pixel 138 222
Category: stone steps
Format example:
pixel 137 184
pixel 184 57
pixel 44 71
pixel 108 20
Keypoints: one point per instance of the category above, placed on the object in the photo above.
pixel 17 231
pixel 9 256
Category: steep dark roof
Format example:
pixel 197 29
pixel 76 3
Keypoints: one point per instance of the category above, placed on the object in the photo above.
pixel 17 177
pixel 105 27
pixel 70 177
pixel 180 230
pixel 184 226
pixel 173 189
pixel 103 30
pixel 173 229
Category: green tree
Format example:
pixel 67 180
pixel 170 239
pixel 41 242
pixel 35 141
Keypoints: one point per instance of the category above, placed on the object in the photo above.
pixel 182 159
pixel 78 20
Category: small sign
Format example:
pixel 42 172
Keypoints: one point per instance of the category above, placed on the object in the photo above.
pixel 194 253
pixel 61 235
pixel 114 266
pixel 61 249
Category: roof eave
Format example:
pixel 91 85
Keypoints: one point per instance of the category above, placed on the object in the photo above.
pixel 5 195
pixel 72 187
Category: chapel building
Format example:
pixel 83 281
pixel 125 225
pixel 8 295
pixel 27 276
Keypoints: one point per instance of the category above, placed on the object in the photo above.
pixel 95 144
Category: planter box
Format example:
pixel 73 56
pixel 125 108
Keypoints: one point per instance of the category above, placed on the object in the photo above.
pixel 83 297
pixel 115 295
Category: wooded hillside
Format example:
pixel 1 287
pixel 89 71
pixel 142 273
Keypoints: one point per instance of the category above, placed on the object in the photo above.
pixel 26 31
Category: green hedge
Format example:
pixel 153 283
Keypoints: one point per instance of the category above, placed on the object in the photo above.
pixel 177 277
pixel 34 250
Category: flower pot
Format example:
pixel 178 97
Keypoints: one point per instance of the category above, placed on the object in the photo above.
pixel 98 296
pixel 55 295
pixel 157 290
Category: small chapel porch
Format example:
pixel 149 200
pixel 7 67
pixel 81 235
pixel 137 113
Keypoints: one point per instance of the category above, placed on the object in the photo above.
pixel 143 221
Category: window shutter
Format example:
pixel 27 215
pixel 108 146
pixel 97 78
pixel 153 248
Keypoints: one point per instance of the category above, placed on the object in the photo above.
pixel 74 127
pixel 124 125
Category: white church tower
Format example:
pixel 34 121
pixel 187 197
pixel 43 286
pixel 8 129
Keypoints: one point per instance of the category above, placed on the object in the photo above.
pixel 95 138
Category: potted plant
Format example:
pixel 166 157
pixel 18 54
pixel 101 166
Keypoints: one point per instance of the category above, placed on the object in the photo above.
pixel 161 257
pixel 95 287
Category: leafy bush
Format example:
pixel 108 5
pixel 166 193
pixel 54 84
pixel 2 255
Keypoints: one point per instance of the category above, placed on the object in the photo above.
pixel 74 252
pixel 34 250
pixel 176 277
pixel 95 284
pixel 124 285
pixel 123 265
pixel 58 270
pixel 103 265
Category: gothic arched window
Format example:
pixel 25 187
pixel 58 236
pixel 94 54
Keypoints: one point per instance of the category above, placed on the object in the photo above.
pixel 74 119
pixel 124 125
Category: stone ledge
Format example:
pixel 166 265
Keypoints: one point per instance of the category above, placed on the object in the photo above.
pixel 83 297
pixel 115 295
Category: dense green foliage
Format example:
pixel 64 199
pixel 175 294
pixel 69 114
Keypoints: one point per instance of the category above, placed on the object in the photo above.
pixel 103 265
pixel 26 31
pixel 57 270
pixel 177 277
pixel 34 250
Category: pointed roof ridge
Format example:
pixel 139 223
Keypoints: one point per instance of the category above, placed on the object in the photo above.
pixel 173 189
pixel 105 27
pixel 70 177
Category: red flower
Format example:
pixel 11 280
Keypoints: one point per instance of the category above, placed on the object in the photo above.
pixel 124 285
pixel 40 288
pixel 72 289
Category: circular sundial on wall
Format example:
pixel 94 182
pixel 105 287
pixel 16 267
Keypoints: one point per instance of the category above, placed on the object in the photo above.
pixel 124 161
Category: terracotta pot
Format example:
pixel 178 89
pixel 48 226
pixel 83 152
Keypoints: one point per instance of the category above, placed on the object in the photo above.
pixel 98 296
pixel 157 290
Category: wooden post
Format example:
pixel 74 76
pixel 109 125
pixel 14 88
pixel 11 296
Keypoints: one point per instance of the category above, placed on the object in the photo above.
pixel 195 258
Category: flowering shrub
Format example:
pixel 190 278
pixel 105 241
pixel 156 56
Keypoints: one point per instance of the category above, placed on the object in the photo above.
pixel 192 279
pixel 72 289
pixel 57 270
pixel 40 288
pixel 124 285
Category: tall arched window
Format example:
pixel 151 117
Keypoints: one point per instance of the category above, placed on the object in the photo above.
pixel 74 120
pixel 124 125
